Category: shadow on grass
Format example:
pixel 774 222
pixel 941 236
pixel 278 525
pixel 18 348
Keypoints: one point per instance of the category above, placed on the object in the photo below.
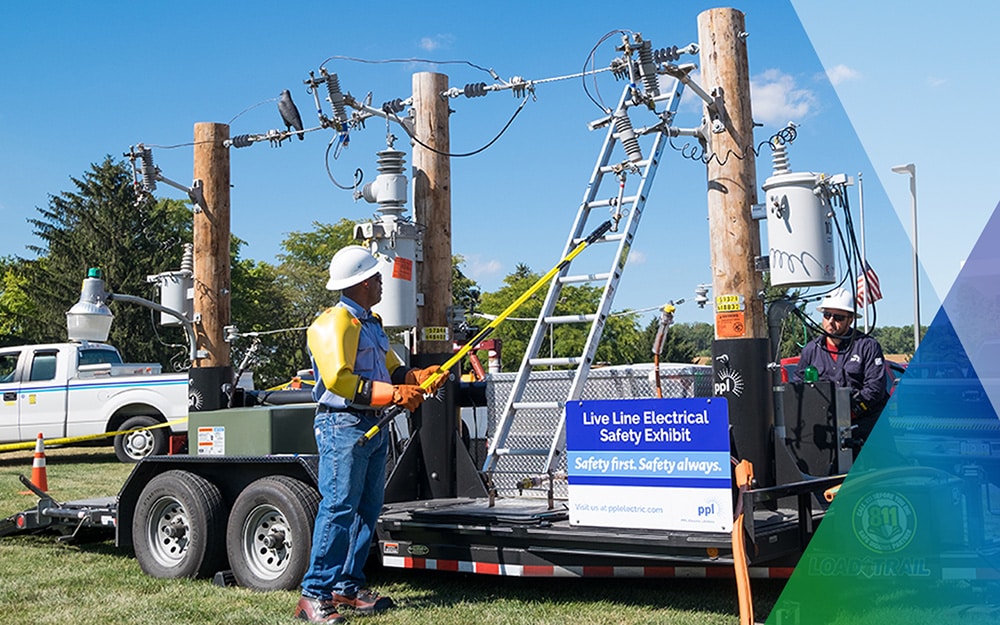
pixel 707 595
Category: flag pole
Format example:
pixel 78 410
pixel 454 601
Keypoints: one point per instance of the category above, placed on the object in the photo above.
pixel 864 258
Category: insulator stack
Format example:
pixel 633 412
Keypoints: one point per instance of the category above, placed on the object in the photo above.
pixel 623 125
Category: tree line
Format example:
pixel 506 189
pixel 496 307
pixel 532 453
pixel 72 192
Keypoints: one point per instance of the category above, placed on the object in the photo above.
pixel 102 223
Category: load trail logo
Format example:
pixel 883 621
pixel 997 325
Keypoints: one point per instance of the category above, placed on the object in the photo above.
pixel 884 521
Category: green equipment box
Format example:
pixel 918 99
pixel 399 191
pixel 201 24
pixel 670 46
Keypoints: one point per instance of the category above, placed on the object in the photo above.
pixel 254 431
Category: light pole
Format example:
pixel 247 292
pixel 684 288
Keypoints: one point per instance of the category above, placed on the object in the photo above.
pixel 911 169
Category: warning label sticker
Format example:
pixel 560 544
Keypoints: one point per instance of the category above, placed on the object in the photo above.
pixel 402 268
pixel 212 441
pixel 730 325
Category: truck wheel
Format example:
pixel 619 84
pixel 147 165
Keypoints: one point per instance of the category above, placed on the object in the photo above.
pixel 137 445
pixel 178 526
pixel 269 534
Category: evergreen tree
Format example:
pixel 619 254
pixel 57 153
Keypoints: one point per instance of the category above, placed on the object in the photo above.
pixel 100 224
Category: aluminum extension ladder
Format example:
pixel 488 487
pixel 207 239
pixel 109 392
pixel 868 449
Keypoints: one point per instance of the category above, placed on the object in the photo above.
pixel 529 437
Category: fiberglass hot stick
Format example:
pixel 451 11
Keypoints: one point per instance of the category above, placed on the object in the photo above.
pixel 391 412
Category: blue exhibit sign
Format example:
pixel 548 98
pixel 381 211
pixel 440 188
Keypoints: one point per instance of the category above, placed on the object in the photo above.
pixel 650 463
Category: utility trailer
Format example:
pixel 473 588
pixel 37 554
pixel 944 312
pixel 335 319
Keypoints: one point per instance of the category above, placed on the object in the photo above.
pixel 243 509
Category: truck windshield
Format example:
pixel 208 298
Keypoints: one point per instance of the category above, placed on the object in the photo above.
pixel 99 357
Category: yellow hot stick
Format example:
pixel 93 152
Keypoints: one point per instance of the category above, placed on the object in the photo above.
pixel 391 412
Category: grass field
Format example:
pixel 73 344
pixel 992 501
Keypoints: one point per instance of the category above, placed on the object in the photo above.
pixel 44 581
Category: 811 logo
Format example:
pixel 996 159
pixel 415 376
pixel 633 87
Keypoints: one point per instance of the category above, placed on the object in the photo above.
pixel 884 521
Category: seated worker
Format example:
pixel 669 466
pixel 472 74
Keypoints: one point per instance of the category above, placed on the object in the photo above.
pixel 848 358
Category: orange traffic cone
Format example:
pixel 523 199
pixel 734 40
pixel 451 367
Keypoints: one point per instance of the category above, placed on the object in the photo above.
pixel 38 475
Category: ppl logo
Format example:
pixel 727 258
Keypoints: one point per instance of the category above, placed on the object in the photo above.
pixel 708 510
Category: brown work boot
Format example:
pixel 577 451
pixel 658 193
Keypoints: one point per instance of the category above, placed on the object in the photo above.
pixel 365 602
pixel 318 611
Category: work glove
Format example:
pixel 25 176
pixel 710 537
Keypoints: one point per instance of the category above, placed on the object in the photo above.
pixel 417 376
pixel 408 396
pixel 858 406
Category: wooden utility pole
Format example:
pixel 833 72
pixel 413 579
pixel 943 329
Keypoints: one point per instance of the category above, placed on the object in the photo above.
pixel 211 257
pixel 432 210
pixel 732 178
pixel 741 351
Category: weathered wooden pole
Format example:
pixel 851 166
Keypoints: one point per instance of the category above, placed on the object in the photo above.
pixel 438 420
pixel 741 349
pixel 432 210
pixel 211 263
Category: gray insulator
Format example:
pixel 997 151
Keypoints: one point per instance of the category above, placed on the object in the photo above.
pixel 393 106
pixel 474 90
pixel 148 169
pixel 336 97
pixel 241 141
pixel 779 158
pixel 647 70
pixel 391 161
pixel 187 260
pixel 623 125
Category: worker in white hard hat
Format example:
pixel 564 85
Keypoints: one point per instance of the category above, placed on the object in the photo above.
pixel 849 358
pixel 357 375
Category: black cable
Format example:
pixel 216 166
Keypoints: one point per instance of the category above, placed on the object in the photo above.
pixel 476 151
pixel 358 174
pixel 410 60
pixel 590 60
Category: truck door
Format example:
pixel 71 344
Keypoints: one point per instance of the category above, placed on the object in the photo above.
pixel 9 386
pixel 42 397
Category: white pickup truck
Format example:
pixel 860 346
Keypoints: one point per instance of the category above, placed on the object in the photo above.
pixel 67 390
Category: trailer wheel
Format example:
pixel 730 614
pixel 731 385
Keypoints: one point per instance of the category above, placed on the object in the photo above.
pixel 137 445
pixel 178 526
pixel 269 534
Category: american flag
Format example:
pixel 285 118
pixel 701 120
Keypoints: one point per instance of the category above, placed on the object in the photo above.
pixel 868 288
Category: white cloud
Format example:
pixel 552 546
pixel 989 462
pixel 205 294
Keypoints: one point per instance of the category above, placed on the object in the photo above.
pixel 635 257
pixel 839 74
pixel 479 269
pixel 431 44
pixel 777 99
pixel 935 81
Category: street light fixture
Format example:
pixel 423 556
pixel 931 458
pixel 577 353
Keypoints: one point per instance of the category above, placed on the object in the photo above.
pixel 911 170
pixel 90 318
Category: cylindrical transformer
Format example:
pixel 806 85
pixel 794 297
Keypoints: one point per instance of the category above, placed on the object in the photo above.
pixel 175 294
pixel 799 231
pixel 394 242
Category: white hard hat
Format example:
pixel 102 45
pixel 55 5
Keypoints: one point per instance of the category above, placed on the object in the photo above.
pixel 349 266
pixel 841 299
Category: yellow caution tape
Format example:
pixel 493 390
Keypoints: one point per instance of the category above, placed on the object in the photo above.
pixel 80 439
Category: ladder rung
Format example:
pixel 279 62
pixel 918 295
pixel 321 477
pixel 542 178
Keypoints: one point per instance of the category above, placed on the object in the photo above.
pixel 538 405
pixel 554 362
pixel 612 169
pixel 626 200
pixel 570 318
pixel 585 277
pixel 605 239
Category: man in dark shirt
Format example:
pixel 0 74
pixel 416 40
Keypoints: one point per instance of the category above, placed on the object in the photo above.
pixel 848 358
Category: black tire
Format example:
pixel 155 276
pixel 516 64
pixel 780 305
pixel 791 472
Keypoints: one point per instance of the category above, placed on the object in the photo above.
pixel 269 534
pixel 179 527
pixel 137 445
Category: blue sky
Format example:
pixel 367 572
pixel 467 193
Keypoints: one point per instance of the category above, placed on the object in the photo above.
pixel 82 80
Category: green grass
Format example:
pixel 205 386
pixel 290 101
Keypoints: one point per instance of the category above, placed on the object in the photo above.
pixel 45 581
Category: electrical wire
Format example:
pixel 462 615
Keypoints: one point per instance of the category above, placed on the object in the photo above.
pixel 358 174
pixel 591 61
pixel 410 60
pixel 250 108
pixel 698 152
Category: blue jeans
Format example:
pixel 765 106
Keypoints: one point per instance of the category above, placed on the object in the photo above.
pixel 352 486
